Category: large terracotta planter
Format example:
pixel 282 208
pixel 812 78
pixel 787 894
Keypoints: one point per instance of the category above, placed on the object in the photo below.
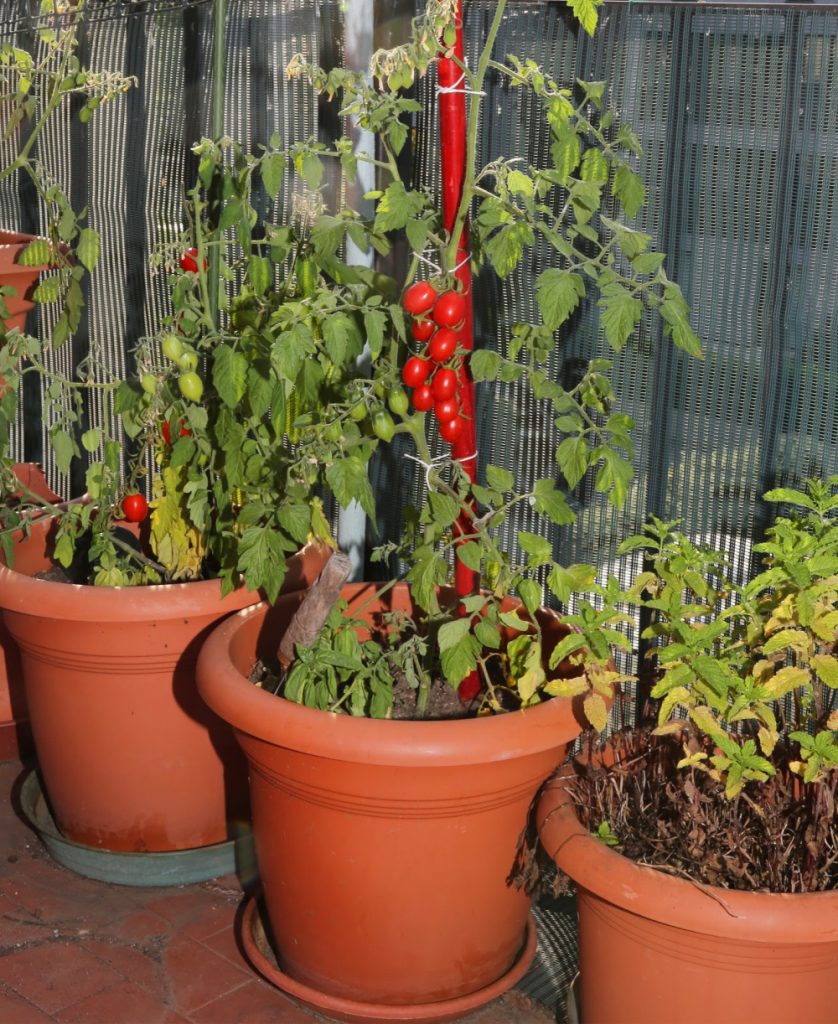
pixel 654 948
pixel 13 275
pixel 384 847
pixel 131 758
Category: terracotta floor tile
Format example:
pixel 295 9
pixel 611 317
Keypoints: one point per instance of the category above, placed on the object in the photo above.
pixel 125 1003
pixel 56 974
pixel 18 926
pixel 184 906
pixel 16 1010
pixel 226 943
pixel 136 926
pixel 254 1003
pixel 197 975
pixel 141 964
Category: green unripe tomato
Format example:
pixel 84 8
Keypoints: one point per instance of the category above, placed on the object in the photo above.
pixel 398 402
pixel 191 386
pixel 358 411
pixel 188 359
pixel 172 347
pixel 148 382
pixel 334 431
pixel 382 424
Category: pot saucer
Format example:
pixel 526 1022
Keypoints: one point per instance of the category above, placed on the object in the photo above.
pixel 262 957
pixel 175 867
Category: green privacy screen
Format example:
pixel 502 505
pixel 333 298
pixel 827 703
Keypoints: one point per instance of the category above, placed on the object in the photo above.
pixel 737 110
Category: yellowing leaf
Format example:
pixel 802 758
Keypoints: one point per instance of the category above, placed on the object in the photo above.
pixel 767 740
pixel 596 711
pixel 786 680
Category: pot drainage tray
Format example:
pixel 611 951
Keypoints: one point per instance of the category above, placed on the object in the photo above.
pixel 176 867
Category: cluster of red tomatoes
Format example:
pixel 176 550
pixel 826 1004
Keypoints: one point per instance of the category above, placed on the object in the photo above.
pixel 432 378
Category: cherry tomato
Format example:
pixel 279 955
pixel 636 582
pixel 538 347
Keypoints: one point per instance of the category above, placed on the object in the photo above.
pixel 423 329
pixel 334 431
pixel 419 298
pixel 423 398
pixel 443 345
pixel 166 431
pixel 134 508
pixel 191 386
pixel 415 371
pixel 382 424
pixel 451 429
pixel 444 384
pixel 450 309
pixel 398 402
pixel 172 347
pixel 188 359
pixel 189 261
pixel 148 382
pixel 446 410
pixel 358 411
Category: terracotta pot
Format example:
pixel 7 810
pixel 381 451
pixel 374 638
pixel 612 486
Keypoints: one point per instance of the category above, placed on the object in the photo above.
pixel 654 948
pixel 13 275
pixel 15 735
pixel 384 847
pixel 130 756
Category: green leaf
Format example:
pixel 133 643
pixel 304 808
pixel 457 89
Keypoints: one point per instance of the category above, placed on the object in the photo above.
pixel 538 548
pixel 396 207
pixel 573 457
pixel 500 479
pixel 826 667
pixel 453 633
pixel 91 439
pixel 262 554
pixel 549 501
pixel 374 324
pixel 506 246
pixel 566 151
pixel 232 213
pixel 64 448
pixel 519 183
pixel 310 168
pixel 349 480
pixel 621 313
pixel 273 171
pixel 327 234
pixel 87 248
pixel 470 554
pixel 36 254
pixel 530 593
pixel 260 273
pixel 461 659
pixel 48 289
pixel 487 634
pixel 629 189
pixel 295 520
pixel 594 166
pixel 675 314
pixel 229 374
pixel 558 293
pixel 484 364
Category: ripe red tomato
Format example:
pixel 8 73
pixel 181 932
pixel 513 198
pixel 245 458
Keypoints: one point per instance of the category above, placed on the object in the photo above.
pixel 134 508
pixel 423 398
pixel 443 345
pixel 444 384
pixel 415 371
pixel 450 309
pixel 166 431
pixel 446 410
pixel 451 429
pixel 423 329
pixel 189 261
pixel 419 298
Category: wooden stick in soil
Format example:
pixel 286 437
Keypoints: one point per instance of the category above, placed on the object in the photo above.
pixel 314 609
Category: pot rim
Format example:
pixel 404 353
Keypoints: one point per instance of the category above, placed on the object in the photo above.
pixel 81 602
pixel 264 716
pixel 682 903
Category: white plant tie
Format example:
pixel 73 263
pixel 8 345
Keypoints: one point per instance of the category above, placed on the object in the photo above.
pixel 447 90
pixel 436 462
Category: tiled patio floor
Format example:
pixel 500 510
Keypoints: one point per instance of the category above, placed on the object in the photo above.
pixel 77 951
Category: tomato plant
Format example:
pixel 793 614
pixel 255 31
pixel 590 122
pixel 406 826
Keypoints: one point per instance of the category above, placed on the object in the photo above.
pixel 191 386
pixel 444 384
pixel 415 371
pixel 450 430
pixel 423 398
pixel 450 309
pixel 148 382
pixel 134 508
pixel 443 345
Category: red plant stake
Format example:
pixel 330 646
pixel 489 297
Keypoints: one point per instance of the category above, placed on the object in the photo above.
pixel 452 129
